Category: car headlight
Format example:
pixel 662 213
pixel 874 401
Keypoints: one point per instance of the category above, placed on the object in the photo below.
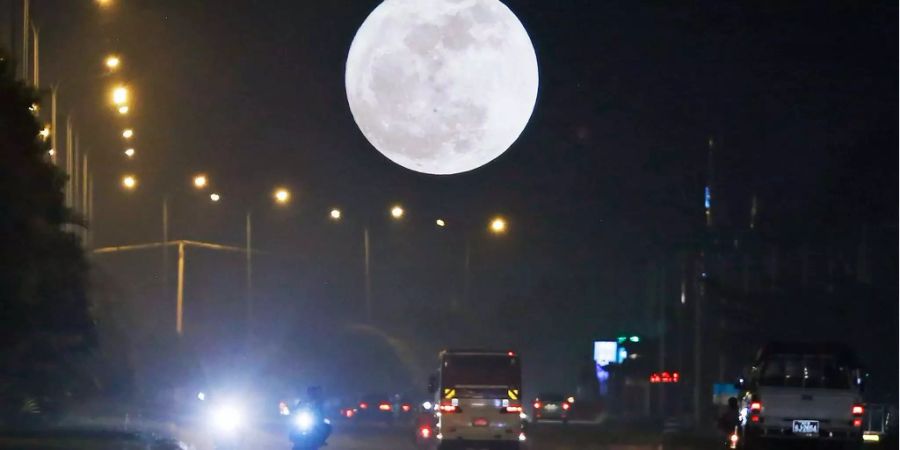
pixel 226 418
pixel 305 420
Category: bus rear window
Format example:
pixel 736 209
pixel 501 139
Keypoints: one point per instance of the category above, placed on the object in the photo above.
pixel 810 371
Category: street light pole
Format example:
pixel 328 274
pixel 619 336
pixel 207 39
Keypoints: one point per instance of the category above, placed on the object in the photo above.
pixel 249 275
pixel 26 21
pixel 36 62
pixel 179 306
pixel 368 274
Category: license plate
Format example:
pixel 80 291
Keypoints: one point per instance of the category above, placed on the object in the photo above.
pixel 551 407
pixel 480 422
pixel 806 427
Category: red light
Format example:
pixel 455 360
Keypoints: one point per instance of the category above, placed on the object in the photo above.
pixel 754 418
pixel 858 410
pixel 566 406
pixel 675 377
pixel 447 407
pixel 512 409
pixel 537 405
pixel 857 423
pixel 510 353
pixel 363 405
pixel 655 378
pixel 756 406
pixel 405 407
pixel 425 432
pixel 384 406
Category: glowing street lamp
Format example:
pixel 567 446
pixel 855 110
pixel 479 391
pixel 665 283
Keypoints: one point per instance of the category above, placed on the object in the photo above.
pixel 104 3
pixel 45 132
pixel 112 62
pixel 200 181
pixel 123 109
pixel 335 214
pixel 440 223
pixel 129 152
pixel 397 212
pixel 127 133
pixel 120 95
pixel 498 225
pixel 129 182
pixel 282 195
pixel 214 197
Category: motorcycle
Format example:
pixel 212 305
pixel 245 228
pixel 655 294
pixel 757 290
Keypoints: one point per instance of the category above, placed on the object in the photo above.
pixel 309 429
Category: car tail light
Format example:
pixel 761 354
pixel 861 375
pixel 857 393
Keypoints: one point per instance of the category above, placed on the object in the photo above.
pixel 537 405
pixel 448 408
pixel 566 406
pixel 425 432
pixel 348 413
pixel 405 407
pixel 754 418
pixel 858 410
pixel 756 406
pixel 384 406
pixel 364 405
pixel 512 409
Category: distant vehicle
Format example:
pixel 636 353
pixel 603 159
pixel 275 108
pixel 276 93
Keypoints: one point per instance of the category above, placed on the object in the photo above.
pixel 477 399
pixel 375 408
pixel 802 392
pixel 549 406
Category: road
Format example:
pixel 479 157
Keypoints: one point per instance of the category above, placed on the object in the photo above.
pixel 545 437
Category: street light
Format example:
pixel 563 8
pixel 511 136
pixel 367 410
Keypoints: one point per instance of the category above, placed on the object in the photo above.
pixel 112 62
pixel 104 3
pixel 214 197
pixel 127 133
pixel 120 95
pixel 282 195
pixel 123 109
pixel 397 212
pixel 129 152
pixel 440 223
pixel 498 225
pixel 335 214
pixel 129 182
pixel 45 132
pixel 200 181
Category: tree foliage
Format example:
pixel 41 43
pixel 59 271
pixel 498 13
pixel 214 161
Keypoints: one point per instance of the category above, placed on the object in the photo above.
pixel 45 320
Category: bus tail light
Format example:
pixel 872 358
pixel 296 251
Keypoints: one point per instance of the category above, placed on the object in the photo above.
pixel 448 408
pixel 512 409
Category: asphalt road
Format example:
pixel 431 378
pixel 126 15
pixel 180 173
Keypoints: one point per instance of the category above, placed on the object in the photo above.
pixel 545 437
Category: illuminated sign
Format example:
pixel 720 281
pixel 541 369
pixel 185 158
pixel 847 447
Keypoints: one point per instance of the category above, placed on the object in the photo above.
pixel 605 352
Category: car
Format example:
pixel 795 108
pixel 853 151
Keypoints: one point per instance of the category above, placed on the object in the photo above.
pixel 550 406
pixel 802 392
pixel 375 408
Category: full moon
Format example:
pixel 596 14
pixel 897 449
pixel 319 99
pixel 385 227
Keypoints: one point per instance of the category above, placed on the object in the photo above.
pixel 441 86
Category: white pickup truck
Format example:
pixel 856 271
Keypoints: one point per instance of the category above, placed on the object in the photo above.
pixel 802 392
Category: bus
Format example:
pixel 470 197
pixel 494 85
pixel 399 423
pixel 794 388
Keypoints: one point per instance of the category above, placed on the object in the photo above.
pixel 477 397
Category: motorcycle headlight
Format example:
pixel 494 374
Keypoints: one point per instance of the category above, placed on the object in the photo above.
pixel 305 420
pixel 227 418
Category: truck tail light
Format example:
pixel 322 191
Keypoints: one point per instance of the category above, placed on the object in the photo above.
pixel 858 410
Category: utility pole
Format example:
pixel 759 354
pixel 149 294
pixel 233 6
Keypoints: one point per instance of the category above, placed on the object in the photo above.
pixel 164 275
pixel 662 295
pixel 69 159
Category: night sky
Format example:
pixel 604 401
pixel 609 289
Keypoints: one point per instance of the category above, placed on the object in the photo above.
pixel 800 97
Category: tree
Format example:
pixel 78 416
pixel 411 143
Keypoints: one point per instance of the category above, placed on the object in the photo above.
pixel 45 320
